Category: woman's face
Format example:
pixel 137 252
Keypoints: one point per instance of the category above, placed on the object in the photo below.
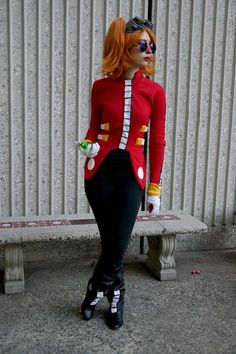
pixel 142 58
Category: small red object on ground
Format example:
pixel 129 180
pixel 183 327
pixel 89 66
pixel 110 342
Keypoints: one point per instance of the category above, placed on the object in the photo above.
pixel 196 271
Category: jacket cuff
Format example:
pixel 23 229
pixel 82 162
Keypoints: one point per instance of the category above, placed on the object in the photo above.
pixel 154 189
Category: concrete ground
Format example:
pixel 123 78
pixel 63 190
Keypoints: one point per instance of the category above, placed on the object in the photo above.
pixel 194 315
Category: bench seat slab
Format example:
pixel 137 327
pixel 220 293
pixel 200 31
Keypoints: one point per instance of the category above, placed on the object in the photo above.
pixel 14 281
pixel 160 257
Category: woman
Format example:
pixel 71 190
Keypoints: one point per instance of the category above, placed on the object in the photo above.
pixel 122 104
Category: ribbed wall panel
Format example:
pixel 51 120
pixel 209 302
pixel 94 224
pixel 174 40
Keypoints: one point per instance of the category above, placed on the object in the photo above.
pixel 196 65
pixel 51 53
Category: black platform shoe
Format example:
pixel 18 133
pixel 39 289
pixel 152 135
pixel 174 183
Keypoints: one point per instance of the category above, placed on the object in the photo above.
pixel 114 317
pixel 92 298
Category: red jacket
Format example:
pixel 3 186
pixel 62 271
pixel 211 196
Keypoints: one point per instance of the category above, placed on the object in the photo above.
pixel 120 113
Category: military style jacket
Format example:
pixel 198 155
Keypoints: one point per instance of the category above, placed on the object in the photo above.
pixel 121 111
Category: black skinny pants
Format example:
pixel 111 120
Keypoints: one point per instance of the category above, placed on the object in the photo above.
pixel 115 197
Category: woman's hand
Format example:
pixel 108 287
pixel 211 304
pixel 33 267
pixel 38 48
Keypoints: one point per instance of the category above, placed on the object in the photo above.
pixel 153 204
pixel 88 149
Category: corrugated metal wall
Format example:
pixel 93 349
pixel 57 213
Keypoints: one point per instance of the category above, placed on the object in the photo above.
pixel 51 53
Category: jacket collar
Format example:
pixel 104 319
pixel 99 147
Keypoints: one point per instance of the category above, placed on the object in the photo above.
pixel 137 76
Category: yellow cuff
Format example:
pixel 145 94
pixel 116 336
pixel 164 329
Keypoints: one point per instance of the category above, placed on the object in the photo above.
pixel 154 189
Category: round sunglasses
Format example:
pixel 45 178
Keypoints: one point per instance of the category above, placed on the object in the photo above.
pixel 143 45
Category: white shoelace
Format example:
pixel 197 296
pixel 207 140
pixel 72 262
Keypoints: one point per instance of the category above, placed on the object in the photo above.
pixel 115 301
pixel 98 298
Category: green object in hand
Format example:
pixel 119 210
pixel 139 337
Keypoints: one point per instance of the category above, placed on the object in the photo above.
pixel 84 144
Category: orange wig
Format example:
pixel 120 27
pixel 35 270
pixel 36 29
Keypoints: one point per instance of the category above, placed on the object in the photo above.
pixel 117 55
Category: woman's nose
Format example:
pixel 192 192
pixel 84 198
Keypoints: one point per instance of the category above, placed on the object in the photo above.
pixel 148 50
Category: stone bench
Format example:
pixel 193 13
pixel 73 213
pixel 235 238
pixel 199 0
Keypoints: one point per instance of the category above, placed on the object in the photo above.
pixel 160 232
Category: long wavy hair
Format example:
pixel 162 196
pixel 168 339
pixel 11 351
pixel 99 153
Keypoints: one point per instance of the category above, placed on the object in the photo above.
pixel 117 55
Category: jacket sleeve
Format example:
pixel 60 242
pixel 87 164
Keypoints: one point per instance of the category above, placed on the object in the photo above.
pixel 96 114
pixel 157 136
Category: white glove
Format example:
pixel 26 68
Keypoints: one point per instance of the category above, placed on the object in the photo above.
pixel 153 204
pixel 90 150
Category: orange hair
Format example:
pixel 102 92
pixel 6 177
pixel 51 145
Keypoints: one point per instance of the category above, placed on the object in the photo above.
pixel 117 49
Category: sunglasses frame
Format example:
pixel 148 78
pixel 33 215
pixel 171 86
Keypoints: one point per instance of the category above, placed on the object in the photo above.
pixel 143 46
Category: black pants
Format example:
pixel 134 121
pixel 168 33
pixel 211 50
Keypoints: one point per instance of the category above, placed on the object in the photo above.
pixel 114 197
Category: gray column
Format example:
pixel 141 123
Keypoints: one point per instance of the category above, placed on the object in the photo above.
pixel 161 256
pixel 14 281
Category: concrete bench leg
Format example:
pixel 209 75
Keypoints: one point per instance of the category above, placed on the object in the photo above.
pixel 161 256
pixel 14 281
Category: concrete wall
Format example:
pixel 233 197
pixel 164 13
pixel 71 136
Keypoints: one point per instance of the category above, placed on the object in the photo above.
pixel 50 53
pixel 196 64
